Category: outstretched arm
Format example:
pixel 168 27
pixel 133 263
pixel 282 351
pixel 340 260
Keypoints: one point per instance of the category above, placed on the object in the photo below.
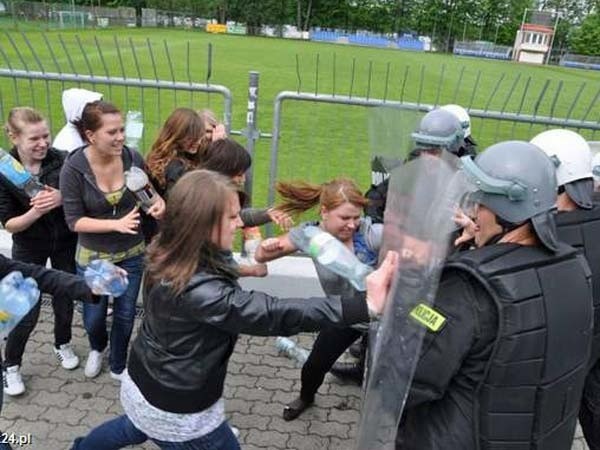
pixel 55 282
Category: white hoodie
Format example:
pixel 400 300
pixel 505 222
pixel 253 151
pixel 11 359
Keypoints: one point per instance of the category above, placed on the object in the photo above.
pixel 73 100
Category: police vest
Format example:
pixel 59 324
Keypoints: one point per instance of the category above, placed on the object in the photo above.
pixel 530 394
pixel 581 229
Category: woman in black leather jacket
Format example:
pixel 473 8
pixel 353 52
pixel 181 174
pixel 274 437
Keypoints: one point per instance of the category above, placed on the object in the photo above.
pixel 195 310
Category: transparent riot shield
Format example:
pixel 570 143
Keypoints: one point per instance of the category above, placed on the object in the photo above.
pixel 423 196
pixel 390 130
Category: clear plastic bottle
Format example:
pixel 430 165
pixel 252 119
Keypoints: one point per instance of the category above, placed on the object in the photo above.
pixel 134 129
pixel 104 278
pixel 138 182
pixel 252 239
pixel 14 172
pixel 333 254
pixel 291 349
pixel 17 296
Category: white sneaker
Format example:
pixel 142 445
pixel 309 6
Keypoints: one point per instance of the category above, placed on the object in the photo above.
pixel 116 376
pixel 67 357
pixel 13 383
pixel 93 365
pixel 235 431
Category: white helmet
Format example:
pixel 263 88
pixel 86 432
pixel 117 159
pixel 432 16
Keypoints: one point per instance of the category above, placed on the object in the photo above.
pixel 572 157
pixel 596 167
pixel 462 115
pixel 570 153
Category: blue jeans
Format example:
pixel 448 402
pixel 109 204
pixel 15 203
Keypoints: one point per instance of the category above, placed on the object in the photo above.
pixel 94 316
pixel 120 432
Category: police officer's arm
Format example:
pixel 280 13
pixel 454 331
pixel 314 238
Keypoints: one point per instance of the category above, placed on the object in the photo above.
pixel 467 333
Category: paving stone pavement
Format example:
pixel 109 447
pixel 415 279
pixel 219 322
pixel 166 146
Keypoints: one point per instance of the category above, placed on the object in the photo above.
pixel 60 405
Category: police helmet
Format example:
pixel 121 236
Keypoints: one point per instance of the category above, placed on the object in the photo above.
pixel 517 182
pixel 572 157
pixel 462 115
pixel 439 129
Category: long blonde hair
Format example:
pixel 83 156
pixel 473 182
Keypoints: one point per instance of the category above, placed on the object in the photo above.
pixel 300 196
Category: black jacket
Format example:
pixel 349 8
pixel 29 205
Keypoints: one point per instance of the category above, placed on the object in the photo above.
pixel 50 229
pixel 55 282
pixel 179 358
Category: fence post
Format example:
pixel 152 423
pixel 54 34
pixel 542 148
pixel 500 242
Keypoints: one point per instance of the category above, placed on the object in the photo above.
pixel 251 132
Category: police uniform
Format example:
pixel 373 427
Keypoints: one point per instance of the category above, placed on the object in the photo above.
pixel 504 358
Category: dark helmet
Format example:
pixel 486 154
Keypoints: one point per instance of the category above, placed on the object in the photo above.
pixel 517 181
pixel 439 129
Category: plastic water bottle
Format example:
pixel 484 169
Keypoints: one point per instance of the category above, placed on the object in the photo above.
pixel 291 349
pixel 134 128
pixel 104 278
pixel 252 239
pixel 17 296
pixel 14 172
pixel 334 255
pixel 138 182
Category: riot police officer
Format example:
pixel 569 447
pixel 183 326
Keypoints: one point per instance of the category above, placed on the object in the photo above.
pixel 578 224
pixel 438 131
pixel 469 146
pixel 503 363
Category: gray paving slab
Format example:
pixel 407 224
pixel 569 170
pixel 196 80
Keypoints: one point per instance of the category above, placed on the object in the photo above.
pixel 60 405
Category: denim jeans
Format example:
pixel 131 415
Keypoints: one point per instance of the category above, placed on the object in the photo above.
pixel 94 316
pixel 120 432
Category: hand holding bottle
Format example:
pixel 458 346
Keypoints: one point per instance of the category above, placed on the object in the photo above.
pixel 46 200
pixel 105 278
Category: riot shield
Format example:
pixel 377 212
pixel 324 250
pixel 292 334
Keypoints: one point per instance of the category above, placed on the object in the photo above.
pixel 423 196
pixel 390 130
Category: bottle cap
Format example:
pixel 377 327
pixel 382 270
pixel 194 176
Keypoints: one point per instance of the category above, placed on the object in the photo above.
pixel 135 179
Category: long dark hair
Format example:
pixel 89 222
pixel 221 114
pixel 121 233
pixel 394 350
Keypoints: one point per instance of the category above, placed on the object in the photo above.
pixel 195 208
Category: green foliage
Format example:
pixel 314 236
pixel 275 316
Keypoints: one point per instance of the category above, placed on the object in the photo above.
pixel 585 39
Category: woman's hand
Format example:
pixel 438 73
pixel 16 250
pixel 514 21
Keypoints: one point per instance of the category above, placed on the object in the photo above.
pixel 218 132
pixel 281 218
pixel 158 208
pixel 468 226
pixel 271 245
pixel 128 224
pixel 46 200
pixel 378 283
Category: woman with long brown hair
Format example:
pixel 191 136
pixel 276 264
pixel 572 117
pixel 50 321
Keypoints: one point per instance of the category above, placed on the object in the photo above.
pixel 175 151
pixel 195 310
pixel 340 203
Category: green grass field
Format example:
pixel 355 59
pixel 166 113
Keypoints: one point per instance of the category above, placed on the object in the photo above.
pixel 318 141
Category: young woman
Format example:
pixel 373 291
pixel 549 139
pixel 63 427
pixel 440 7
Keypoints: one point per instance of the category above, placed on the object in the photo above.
pixel 227 157
pixel 99 207
pixel 39 233
pixel 175 151
pixel 340 205
pixel 195 310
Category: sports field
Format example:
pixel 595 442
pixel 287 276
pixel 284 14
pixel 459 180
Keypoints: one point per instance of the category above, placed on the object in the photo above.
pixel 318 141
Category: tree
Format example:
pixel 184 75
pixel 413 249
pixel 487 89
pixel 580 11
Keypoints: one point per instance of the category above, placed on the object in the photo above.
pixel 585 39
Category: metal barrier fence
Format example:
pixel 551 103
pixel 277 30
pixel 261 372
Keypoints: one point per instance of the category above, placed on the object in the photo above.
pixel 127 74
pixel 580 61
pixel 317 133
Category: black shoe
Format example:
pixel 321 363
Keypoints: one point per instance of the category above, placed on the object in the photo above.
pixel 348 372
pixel 356 349
pixel 295 408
